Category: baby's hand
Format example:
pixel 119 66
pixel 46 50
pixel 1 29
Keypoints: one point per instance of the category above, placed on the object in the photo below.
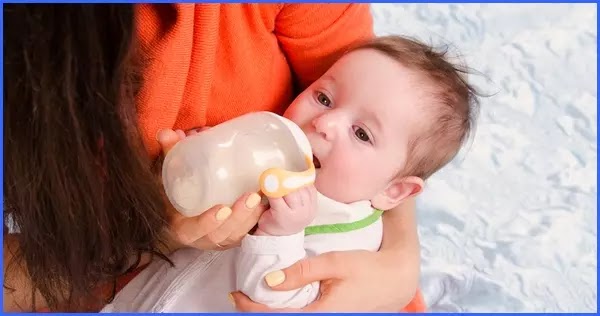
pixel 289 215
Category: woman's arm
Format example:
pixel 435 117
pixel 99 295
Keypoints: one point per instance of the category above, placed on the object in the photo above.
pixel 401 247
pixel 314 36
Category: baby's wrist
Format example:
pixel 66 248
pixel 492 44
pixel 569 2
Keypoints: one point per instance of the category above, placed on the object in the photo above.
pixel 268 230
pixel 260 232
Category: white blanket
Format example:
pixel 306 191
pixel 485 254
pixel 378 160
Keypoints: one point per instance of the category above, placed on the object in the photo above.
pixel 510 226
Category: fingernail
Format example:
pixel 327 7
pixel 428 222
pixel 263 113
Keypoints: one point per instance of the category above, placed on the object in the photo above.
pixel 275 278
pixel 253 200
pixel 223 213
pixel 230 297
pixel 157 133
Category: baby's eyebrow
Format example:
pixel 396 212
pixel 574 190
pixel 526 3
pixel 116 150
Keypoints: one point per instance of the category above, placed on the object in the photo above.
pixel 376 121
pixel 372 117
pixel 328 78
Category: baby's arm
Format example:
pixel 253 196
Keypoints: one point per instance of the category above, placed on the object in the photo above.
pixel 277 244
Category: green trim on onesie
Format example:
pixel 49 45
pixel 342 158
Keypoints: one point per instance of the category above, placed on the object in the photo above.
pixel 343 227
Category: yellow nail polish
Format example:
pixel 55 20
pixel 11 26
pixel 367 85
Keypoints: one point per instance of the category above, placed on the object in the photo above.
pixel 223 213
pixel 252 200
pixel 230 297
pixel 275 278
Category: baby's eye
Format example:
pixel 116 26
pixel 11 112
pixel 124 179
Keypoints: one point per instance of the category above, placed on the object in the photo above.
pixel 361 134
pixel 323 99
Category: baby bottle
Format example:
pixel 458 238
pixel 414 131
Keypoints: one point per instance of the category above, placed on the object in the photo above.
pixel 257 151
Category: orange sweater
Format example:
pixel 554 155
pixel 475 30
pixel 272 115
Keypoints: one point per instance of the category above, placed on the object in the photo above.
pixel 207 63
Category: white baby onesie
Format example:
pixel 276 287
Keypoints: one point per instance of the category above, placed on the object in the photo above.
pixel 200 281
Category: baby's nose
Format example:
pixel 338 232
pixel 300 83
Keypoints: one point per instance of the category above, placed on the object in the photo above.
pixel 327 126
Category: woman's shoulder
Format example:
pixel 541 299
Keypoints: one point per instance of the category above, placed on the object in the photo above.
pixel 154 18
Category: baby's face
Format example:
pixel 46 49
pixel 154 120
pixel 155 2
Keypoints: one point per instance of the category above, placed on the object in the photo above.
pixel 359 118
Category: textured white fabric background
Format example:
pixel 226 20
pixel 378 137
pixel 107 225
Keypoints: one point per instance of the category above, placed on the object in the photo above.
pixel 511 225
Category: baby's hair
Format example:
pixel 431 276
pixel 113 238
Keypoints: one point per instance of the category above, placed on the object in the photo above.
pixel 454 108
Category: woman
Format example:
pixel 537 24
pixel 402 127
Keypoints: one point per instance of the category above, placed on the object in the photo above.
pixel 79 181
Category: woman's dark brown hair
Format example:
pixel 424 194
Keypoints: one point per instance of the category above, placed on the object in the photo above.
pixel 78 184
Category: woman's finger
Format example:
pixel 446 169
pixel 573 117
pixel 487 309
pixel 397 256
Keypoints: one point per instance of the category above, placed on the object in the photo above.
pixel 242 303
pixel 242 209
pixel 337 297
pixel 167 138
pixel 331 301
pixel 248 225
pixel 180 134
pixel 190 229
pixel 195 131
pixel 322 267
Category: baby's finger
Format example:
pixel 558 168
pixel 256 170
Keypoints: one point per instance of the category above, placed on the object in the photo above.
pixel 306 196
pixel 278 204
pixel 313 193
pixel 190 229
pixel 295 199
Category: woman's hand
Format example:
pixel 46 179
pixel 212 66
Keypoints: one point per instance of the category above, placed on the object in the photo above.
pixel 219 228
pixel 360 281
pixel 351 281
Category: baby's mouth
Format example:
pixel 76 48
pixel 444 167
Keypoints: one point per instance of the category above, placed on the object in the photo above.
pixel 316 162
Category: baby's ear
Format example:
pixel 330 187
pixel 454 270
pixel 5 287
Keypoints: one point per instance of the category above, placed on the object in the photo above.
pixel 397 191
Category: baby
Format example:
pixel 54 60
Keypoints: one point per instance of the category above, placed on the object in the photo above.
pixel 380 121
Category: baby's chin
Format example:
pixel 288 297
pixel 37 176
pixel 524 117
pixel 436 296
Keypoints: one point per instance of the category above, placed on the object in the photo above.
pixel 288 115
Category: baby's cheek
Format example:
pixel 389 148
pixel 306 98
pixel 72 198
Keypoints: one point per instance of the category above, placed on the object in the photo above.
pixel 336 186
pixel 300 111
pixel 293 111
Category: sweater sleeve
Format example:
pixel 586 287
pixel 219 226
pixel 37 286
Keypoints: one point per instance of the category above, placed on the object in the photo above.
pixel 314 36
